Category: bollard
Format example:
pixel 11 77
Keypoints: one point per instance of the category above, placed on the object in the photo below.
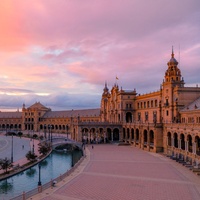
pixel 23 196
pixel 39 188
pixel 51 184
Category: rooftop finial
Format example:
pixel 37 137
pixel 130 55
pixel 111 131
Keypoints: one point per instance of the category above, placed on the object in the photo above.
pixel 172 51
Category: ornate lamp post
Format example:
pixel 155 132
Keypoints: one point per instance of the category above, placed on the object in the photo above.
pixel 33 145
pixel 39 181
pixel 67 131
pixel 49 127
pixel 12 150
pixel 51 133
pixel 45 131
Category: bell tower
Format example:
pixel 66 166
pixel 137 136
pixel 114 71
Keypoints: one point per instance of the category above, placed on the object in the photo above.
pixel 173 73
pixel 104 104
pixel 172 81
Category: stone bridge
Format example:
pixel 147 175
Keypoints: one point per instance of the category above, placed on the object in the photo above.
pixel 56 141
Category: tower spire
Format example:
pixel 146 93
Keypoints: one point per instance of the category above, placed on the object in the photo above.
pixel 172 51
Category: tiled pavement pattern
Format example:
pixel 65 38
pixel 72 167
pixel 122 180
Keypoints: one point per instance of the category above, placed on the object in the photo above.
pixel 112 172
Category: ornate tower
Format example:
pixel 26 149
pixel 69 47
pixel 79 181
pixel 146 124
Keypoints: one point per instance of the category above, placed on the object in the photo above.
pixel 173 73
pixel 104 104
pixel 173 80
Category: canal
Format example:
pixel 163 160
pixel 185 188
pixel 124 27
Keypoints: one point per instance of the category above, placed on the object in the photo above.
pixel 53 166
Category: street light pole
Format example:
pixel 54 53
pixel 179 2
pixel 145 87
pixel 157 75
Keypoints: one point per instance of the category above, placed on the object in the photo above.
pixel 33 146
pixel 67 131
pixel 51 133
pixel 39 182
pixel 12 150
pixel 45 131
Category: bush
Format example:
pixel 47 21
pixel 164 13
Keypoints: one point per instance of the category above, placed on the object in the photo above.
pixel 11 133
pixel 35 135
pixel 41 137
pixel 20 134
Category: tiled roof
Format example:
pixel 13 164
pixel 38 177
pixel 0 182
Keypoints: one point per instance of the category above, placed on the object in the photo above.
pixel 129 91
pixel 73 113
pixel 38 106
pixel 10 114
pixel 195 105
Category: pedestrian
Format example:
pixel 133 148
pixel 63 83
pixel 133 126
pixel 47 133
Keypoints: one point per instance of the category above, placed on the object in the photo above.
pixel 92 147
pixel 22 146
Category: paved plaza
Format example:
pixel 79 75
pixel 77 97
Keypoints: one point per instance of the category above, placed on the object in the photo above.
pixel 111 172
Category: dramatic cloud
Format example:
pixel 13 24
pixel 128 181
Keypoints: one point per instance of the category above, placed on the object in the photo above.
pixel 61 52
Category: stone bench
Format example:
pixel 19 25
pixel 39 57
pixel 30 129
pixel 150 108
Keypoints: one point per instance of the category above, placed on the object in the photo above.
pixel 15 167
pixel 196 169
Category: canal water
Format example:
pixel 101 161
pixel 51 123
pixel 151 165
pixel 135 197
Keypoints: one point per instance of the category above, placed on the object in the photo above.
pixel 53 166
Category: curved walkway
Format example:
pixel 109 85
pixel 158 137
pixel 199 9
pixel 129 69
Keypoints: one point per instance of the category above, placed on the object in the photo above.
pixel 21 146
pixel 125 172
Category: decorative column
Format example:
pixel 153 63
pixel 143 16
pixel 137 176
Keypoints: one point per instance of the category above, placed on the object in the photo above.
pixel 179 146
pixel 186 146
pixel 172 139
pixel 134 137
pixel 112 135
pixel 167 143
pixel 125 130
pixel 140 139
pixel 130 136
pixel 194 148
pixel 148 141
pixel 96 137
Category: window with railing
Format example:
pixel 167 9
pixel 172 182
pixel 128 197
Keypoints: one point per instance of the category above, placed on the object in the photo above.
pixel 139 116
pixel 146 116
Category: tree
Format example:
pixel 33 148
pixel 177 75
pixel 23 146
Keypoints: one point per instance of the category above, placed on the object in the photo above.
pixel 20 134
pixel 5 164
pixel 35 136
pixel 31 156
pixel 44 148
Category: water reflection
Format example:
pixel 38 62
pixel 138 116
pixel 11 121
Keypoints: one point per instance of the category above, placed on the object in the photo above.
pixel 5 186
pixel 53 166
pixel 30 172
pixel 44 163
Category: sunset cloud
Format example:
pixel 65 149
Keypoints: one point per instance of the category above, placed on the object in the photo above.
pixel 65 50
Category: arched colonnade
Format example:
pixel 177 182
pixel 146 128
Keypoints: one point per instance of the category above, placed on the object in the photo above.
pixel 184 141
pixel 100 134
pixel 144 138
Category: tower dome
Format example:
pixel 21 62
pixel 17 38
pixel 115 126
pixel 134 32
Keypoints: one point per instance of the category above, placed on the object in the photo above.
pixel 173 73
pixel 172 61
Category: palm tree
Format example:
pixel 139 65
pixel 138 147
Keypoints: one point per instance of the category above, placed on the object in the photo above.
pixel 31 156
pixel 44 148
pixel 5 164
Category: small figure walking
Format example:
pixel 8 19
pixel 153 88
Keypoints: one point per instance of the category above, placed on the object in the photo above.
pixel 22 146
pixel 92 147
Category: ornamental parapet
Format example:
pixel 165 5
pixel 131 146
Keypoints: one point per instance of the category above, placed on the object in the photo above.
pixel 143 124
pixel 183 126
pixel 99 123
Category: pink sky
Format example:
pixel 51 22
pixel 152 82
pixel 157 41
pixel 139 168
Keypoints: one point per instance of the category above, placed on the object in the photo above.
pixel 61 52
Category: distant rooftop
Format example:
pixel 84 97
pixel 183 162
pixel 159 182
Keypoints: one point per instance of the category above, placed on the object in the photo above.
pixel 73 113
pixel 195 105
pixel 10 114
